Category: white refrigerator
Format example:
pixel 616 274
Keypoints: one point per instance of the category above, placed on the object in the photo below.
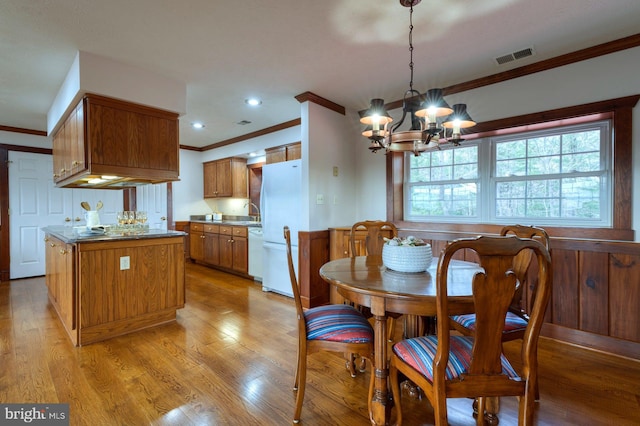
pixel 280 205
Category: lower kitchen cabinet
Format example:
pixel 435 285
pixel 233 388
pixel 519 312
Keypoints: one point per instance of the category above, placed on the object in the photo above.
pixel 223 246
pixel 234 248
pixel 196 241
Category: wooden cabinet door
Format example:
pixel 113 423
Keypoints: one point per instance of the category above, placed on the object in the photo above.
pixel 77 144
pixel 51 265
pixel 209 174
pixel 196 242
pixel 276 155
pixel 60 279
pixel 294 151
pixel 67 286
pixel 226 251
pixel 58 153
pixel 211 248
pixel 240 249
pixel 224 187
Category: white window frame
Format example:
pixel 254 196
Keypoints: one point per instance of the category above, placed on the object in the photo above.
pixel 487 181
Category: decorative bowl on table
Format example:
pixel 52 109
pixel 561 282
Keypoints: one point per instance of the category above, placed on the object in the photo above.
pixel 406 255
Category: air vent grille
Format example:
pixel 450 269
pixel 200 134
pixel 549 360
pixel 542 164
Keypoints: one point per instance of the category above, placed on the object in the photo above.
pixel 514 56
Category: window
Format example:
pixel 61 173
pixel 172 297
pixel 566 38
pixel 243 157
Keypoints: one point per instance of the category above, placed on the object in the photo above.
pixel 559 176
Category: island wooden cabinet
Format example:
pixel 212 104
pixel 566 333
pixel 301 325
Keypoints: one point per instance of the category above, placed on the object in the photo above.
pixel 60 280
pixel 103 288
pixel 226 178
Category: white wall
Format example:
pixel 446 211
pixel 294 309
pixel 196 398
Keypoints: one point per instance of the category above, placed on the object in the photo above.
pixel 327 144
pixel 21 139
pixel 187 193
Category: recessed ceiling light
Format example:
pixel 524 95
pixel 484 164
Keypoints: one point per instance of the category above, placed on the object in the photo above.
pixel 253 101
pixel 197 125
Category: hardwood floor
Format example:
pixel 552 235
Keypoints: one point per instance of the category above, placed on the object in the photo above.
pixel 229 360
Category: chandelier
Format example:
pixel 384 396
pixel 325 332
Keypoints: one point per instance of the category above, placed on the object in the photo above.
pixel 430 116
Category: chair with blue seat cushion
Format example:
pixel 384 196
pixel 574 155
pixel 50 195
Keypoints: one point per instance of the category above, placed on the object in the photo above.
pixel 335 328
pixel 453 366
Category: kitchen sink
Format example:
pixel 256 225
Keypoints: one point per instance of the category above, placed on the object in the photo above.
pixel 241 222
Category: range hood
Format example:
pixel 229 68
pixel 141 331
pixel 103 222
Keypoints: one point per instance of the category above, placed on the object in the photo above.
pixel 108 143
pixel 121 140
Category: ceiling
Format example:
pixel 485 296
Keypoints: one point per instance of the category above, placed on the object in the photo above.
pixel 347 51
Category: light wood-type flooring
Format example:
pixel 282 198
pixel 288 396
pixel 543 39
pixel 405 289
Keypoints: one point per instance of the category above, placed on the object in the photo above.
pixel 229 360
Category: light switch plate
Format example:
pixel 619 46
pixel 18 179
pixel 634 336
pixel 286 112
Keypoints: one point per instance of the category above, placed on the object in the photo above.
pixel 320 199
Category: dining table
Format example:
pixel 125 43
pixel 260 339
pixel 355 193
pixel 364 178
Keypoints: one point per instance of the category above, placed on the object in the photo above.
pixel 365 281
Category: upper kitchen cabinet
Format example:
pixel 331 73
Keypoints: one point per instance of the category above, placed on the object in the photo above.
pixel 68 146
pixel 108 143
pixel 282 153
pixel 226 178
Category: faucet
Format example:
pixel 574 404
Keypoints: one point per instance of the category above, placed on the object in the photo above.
pixel 249 203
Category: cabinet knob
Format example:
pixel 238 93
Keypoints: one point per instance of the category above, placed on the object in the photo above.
pixel 77 219
pixel 63 251
pixel 62 171
pixel 75 163
pixel 67 219
pixel 163 218
pixel 55 175
pixel 52 244
pixel 46 239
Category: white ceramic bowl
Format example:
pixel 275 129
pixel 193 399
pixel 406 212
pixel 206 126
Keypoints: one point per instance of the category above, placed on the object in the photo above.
pixel 407 258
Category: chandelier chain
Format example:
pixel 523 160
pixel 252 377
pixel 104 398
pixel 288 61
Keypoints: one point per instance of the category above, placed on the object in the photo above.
pixel 411 46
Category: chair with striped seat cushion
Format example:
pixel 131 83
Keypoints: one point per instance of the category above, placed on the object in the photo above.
pixel 419 352
pixel 517 317
pixel 512 323
pixel 446 366
pixel 337 323
pixel 335 328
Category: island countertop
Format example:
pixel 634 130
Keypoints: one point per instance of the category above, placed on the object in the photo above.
pixel 70 235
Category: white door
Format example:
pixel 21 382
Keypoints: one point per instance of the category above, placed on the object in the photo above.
pixel 153 200
pixel 35 202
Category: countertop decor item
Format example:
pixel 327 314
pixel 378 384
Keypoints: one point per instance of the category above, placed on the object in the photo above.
pixel 406 255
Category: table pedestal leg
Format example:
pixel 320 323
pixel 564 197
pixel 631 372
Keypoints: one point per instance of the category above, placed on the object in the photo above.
pixel 380 402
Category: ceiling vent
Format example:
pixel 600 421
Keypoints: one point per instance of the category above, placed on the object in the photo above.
pixel 514 56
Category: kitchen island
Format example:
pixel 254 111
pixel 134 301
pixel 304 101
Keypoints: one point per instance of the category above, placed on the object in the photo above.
pixel 108 285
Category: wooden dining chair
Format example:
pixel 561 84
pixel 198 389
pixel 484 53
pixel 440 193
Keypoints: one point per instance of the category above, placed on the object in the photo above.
pixel 374 238
pixel 453 366
pixel 335 328
pixel 376 230
pixel 517 317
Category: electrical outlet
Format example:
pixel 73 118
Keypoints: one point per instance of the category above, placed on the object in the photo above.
pixel 125 263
